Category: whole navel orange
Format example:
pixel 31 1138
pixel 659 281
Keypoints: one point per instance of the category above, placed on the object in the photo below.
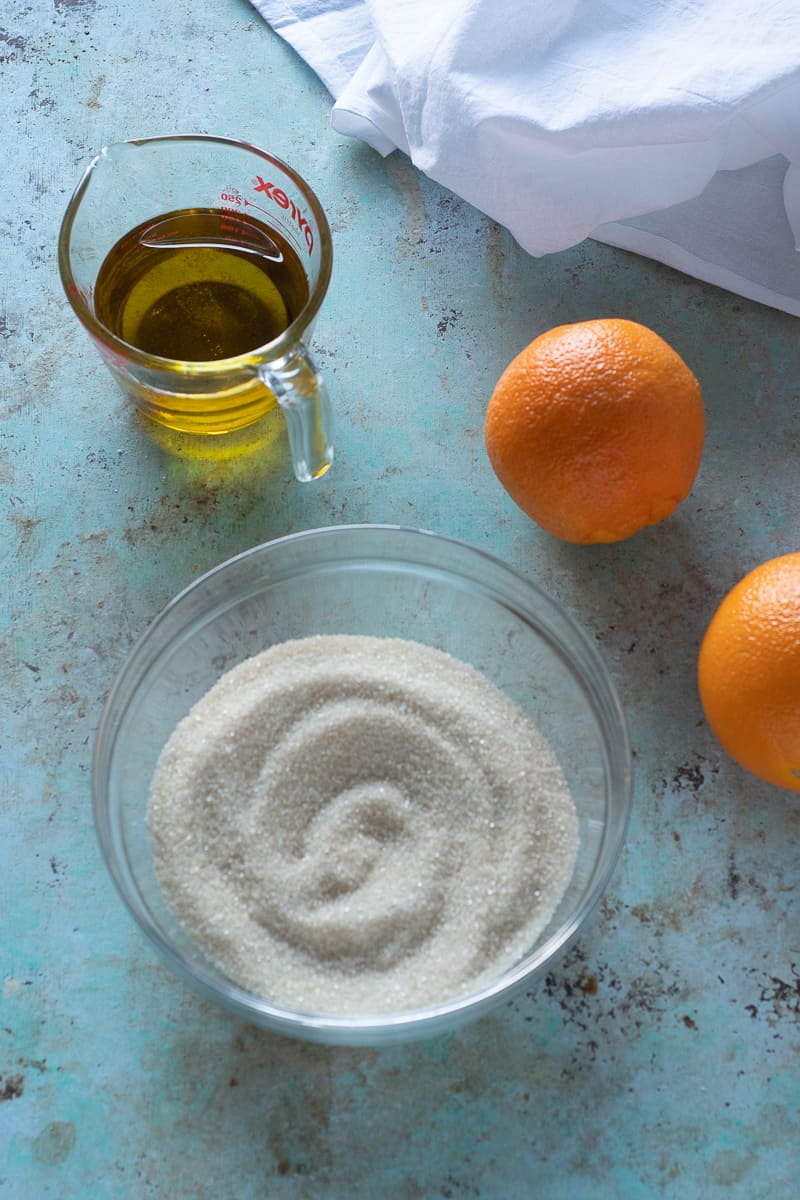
pixel 749 672
pixel 596 429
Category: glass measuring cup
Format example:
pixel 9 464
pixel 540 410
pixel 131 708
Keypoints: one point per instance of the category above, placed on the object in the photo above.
pixel 261 206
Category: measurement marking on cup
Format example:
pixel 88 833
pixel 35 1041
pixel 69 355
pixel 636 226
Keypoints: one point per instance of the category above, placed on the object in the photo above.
pixel 291 234
pixel 279 197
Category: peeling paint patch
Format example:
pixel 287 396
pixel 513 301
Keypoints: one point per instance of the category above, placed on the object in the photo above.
pixel 54 1143
pixel 84 6
pixel 47 103
pixel 97 87
pixel 729 1167
pixel 13 40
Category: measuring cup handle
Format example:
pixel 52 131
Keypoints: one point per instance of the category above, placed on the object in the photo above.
pixel 301 393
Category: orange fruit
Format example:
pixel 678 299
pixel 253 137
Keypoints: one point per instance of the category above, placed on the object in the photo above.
pixel 749 672
pixel 596 430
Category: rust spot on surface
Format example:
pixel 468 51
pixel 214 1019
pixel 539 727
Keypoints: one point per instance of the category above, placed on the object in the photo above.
pixel 449 318
pixel 649 915
pixel 13 1087
pixel 38 1064
pixel 734 878
pixel 284 1167
pixel 25 527
pixel 688 1022
pixel 588 985
pixel 780 996
pixel 686 777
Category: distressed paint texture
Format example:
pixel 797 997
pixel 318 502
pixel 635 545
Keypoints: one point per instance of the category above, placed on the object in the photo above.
pixel 660 1057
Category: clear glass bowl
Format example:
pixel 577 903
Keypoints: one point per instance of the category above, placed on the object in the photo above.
pixel 385 581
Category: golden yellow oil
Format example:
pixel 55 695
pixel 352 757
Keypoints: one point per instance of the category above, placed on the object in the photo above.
pixel 199 285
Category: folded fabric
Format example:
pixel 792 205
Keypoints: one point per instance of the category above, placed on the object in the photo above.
pixel 669 127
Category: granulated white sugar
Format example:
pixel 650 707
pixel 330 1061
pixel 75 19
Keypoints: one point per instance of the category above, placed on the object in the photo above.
pixel 350 825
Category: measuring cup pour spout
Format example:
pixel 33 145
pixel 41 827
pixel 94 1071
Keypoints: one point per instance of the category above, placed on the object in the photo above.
pixel 303 397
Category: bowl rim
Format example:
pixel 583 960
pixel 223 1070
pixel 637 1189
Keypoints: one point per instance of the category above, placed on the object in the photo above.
pixel 367 1029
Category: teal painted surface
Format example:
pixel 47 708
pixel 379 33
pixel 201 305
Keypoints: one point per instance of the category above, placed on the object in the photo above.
pixel 660 1058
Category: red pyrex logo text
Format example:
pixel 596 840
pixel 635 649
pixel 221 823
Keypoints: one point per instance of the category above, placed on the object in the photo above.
pixel 282 200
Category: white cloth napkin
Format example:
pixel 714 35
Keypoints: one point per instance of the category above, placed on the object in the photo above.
pixel 667 127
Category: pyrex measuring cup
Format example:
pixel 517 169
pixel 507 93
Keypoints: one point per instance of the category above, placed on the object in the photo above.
pixel 144 183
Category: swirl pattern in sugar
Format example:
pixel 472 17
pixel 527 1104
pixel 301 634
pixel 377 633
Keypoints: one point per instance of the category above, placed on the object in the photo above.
pixel 353 825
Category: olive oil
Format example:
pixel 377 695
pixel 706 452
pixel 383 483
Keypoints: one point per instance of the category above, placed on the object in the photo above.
pixel 199 285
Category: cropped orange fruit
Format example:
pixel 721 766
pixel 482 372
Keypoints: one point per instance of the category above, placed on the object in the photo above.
pixel 749 672
pixel 596 430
